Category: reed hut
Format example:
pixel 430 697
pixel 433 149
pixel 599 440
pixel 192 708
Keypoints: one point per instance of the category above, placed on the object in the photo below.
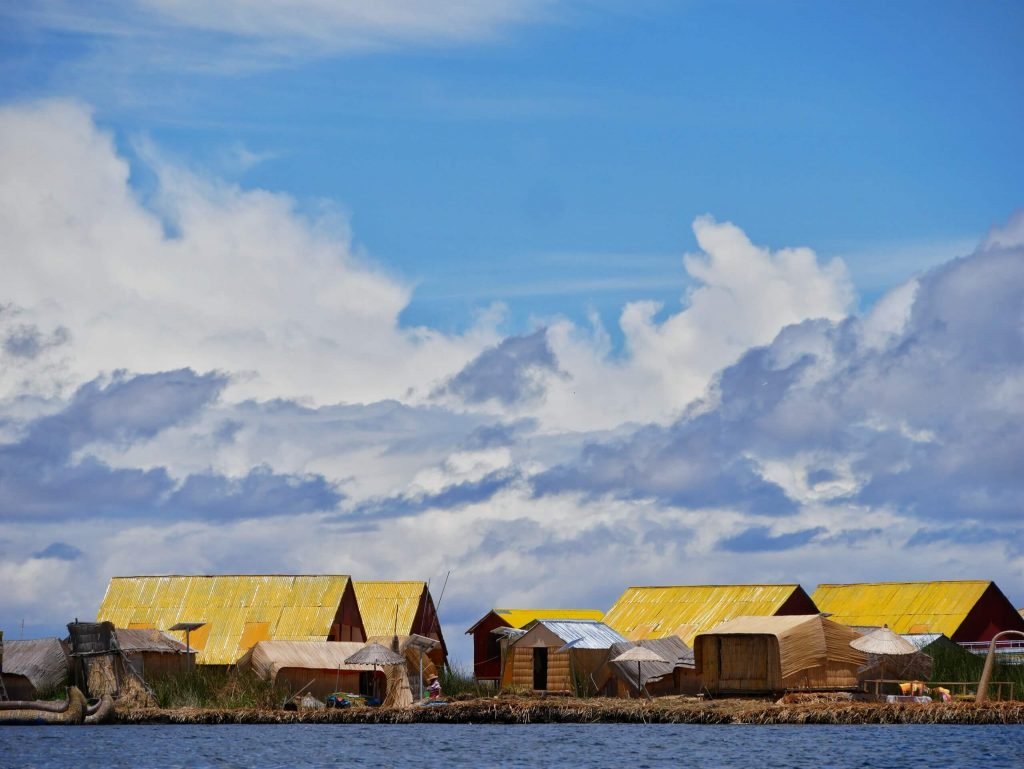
pixel 966 611
pixel 761 655
pixel 153 653
pixel 314 667
pixel 677 674
pixel 400 608
pixel 558 655
pixel 688 610
pixel 488 649
pixel 33 668
pixel 237 610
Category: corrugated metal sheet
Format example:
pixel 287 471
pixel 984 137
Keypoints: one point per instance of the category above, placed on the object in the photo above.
pixel 42 661
pixel 686 610
pixel 295 607
pixel 380 603
pixel 520 618
pixel 581 633
pixel 906 607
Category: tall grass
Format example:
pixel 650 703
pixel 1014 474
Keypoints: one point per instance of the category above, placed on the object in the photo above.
pixel 955 665
pixel 458 680
pixel 214 687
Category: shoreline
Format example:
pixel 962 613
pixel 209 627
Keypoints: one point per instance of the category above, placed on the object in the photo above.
pixel 573 711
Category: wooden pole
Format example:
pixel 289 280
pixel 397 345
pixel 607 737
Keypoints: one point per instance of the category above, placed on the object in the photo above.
pixel 986 673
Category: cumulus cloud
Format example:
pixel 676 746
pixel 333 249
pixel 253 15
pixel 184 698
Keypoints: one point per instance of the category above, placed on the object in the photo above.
pixel 742 296
pixel 222 380
pixel 49 473
pixel 509 373
pixel 209 276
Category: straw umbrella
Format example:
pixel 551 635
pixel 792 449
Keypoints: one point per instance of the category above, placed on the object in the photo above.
pixel 883 642
pixel 639 654
pixel 377 655
pixel 889 652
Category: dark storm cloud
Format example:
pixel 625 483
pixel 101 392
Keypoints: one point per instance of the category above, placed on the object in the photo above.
pixel 506 373
pixel 42 480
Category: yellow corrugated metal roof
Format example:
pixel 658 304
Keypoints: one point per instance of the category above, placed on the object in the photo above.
pixel 519 618
pixel 294 607
pixel 686 610
pixel 906 607
pixel 382 602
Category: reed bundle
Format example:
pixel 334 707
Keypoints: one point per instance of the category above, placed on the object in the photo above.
pixel 527 711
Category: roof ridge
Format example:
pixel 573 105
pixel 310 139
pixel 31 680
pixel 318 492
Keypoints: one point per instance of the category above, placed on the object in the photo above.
pixel 911 582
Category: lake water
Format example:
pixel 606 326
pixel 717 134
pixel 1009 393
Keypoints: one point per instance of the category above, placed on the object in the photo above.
pixel 431 746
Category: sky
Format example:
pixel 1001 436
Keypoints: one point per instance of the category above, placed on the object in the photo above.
pixel 546 297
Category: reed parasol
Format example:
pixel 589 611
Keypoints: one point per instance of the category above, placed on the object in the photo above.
pixel 377 655
pixel 639 654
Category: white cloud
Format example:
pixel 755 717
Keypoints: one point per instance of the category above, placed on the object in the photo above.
pixel 242 282
pixel 745 294
pixel 820 446
pixel 243 35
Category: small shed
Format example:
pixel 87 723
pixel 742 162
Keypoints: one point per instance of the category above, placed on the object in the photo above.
pixel 558 655
pixel 34 668
pixel 315 667
pixel 750 655
pixel 677 675
pixel 153 653
pixel 488 651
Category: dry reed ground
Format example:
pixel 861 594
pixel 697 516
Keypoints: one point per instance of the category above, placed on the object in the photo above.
pixel 662 711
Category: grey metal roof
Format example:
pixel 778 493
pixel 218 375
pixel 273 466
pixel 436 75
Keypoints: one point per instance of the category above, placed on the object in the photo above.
pixel 581 633
pixel 921 640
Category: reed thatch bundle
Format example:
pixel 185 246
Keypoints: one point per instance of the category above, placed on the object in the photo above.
pixel 525 711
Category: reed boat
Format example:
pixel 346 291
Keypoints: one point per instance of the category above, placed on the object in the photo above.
pixel 71 711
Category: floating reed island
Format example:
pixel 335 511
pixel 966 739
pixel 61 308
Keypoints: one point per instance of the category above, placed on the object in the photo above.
pixel 598 710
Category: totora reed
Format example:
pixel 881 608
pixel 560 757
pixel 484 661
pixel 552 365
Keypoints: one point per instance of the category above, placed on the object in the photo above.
pixel 525 711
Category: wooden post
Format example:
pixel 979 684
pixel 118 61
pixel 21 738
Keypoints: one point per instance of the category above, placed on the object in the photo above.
pixel 986 673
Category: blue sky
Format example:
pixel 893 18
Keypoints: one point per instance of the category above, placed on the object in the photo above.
pixel 695 291
pixel 556 163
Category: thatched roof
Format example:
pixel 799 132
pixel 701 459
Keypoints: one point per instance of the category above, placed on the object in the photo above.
pixel 42 661
pixel 132 640
pixel 268 658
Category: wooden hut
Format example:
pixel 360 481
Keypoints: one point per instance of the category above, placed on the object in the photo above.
pixel 487 646
pixel 965 611
pixel 558 655
pixel 237 610
pixel 687 610
pixel 33 668
pixel 676 675
pixel 758 655
pixel 153 653
pixel 402 608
